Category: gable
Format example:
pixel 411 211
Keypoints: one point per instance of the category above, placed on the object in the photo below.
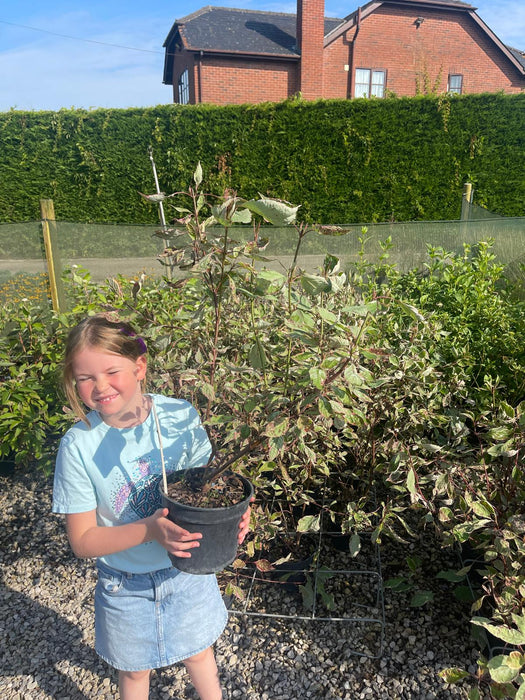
pixel 451 7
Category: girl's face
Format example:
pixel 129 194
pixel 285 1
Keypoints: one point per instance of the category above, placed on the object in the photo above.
pixel 110 384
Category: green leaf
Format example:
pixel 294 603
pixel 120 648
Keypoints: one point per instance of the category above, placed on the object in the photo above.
pixel 519 621
pixel 355 545
pixel 411 481
pixel 421 598
pixel 309 523
pixel 315 284
pixel 520 695
pixel 307 593
pixel 464 594
pixel 207 390
pixel 445 514
pixel 197 175
pixel 453 576
pixel 505 449
pixel 277 428
pixel 257 356
pixel 511 636
pixel 411 310
pixel 276 447
pixel 318 376
pixel 398 584
pixel 483 508
pixel 453 674
pixel 272 210
pixel 516 660
pixel 474 694
pixel 269 282
pixel 362 310
pixel 327 315
pixel 500 671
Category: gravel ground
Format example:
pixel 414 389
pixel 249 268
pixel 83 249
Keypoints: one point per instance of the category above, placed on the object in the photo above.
pixel 46 627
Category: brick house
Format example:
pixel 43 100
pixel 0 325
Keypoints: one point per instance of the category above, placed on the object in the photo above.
pixel 405 47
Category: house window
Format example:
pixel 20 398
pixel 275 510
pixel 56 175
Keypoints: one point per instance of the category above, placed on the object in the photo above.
pixel 369 83
pixel 183 85
pixel 455 84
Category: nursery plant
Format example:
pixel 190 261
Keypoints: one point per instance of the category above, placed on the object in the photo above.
pixel 357 399
pixel 288 357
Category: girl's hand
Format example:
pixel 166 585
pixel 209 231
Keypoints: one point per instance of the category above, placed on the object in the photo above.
pixel 244 525
pixel 175 539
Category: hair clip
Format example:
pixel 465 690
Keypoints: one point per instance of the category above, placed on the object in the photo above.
pixel 140 341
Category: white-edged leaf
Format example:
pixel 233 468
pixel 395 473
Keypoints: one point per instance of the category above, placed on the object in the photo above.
pixel 500 671
pixel 315 284
pixel 272 210
pixel 318 377
pixel 453 674
pixel 507 634
pixel 309 523
pixel 197 175
pixel 355 545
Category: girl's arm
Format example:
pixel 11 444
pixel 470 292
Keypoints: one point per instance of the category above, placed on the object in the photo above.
pixel 88 539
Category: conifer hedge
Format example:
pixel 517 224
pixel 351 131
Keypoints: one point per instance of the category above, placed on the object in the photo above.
pixel 343 160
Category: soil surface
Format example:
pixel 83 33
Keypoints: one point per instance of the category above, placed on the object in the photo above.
pixel 225 490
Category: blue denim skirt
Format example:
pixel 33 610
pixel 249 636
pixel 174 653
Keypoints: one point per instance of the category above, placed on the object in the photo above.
pixel 147 621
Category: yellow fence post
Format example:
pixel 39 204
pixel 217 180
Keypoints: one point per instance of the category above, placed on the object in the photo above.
pixel 466 201
pixel 47 213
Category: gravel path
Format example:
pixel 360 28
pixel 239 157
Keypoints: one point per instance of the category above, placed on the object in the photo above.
pixel 46 628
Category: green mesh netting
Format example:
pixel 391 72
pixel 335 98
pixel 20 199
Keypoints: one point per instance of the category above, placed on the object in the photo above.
pixel 107 250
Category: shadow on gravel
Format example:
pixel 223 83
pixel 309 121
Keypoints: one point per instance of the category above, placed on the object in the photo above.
pixel 35 640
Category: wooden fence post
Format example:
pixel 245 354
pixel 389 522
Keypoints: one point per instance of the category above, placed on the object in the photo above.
pixel 466 201
pixel 47 213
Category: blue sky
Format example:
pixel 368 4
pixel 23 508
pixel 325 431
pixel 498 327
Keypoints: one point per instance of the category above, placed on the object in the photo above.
pixel 109 54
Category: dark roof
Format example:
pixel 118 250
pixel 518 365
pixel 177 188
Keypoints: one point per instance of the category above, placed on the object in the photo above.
pixel 520 55
pixel 240 31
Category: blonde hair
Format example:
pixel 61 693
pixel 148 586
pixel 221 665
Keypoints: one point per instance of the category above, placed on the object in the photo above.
pixel 99 332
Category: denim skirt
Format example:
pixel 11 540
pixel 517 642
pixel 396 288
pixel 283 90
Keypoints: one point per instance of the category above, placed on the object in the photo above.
pixel 147 621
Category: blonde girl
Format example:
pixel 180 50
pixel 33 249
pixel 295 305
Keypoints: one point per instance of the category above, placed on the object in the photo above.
pixel 148 614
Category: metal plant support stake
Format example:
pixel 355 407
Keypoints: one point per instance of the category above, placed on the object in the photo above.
pixel 161 206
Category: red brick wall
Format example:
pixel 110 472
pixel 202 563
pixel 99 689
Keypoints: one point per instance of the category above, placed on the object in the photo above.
pixel 236 81
pixel 310 36
pixel 445 43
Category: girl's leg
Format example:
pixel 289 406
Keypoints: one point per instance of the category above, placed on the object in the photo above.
pixel 133 685
pixel 204 674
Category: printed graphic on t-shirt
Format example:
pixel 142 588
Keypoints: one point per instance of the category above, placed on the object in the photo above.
pixel 138 498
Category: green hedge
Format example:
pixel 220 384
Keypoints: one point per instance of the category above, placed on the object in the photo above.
pixel 343 161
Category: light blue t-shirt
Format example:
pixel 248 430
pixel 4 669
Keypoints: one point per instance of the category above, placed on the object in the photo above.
pixel 118 472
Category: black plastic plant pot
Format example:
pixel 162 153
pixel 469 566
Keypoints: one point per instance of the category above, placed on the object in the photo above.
pixel 219 528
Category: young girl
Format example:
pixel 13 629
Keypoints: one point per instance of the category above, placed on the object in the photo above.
pixel 148 614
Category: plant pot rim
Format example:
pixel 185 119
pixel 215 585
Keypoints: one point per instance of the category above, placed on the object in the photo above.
pixel 245 481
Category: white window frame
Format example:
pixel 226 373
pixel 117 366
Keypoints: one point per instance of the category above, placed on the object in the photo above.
pixel 455 83
pixel 183 87
pixel 370 82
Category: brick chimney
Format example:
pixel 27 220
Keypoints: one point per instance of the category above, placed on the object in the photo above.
pixel 310 36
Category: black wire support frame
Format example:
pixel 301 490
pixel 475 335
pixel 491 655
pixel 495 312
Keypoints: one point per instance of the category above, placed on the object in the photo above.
pixel 373 614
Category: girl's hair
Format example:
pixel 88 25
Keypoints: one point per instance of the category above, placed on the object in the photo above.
pixel 98 332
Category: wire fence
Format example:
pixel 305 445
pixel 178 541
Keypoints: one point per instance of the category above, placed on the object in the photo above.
pixel 110 250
